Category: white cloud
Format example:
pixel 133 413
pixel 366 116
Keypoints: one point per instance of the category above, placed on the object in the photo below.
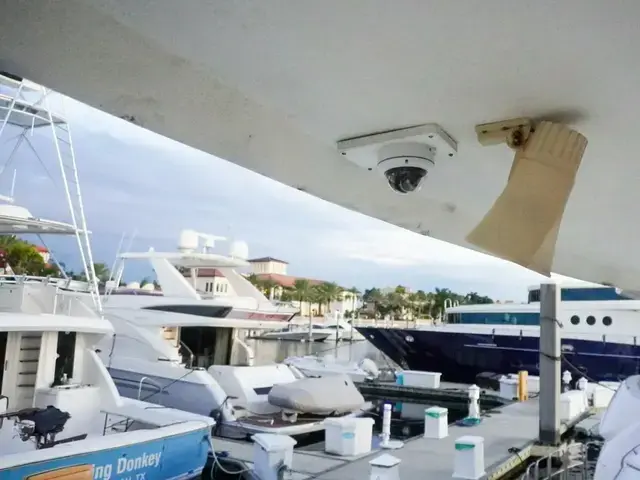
pixel 397 247
pixel 90 119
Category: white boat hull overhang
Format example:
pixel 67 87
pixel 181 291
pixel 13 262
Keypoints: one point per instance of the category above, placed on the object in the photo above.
pixel 272 87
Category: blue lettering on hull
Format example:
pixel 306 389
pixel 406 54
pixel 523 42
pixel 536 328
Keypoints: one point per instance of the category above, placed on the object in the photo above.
pixel 177 457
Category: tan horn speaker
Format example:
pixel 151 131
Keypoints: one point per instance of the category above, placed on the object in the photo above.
pixel 523 224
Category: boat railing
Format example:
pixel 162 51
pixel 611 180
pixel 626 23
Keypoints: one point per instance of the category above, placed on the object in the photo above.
pixel 150 382
pixel 192 356
pixel 49 295
pixel 71 303
pixel 67 283
pixel 247 349
pixel 569 462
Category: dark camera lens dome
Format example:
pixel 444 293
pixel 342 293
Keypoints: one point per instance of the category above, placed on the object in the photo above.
pixel 405 179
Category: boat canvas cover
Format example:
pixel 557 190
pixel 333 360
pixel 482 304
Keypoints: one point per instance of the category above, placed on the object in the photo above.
pixel 332 394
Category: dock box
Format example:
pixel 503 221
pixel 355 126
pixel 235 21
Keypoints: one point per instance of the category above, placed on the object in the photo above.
pixel 413 378
pixel 572 404
pixel 508 388
pixel 349 436
pixel 270 451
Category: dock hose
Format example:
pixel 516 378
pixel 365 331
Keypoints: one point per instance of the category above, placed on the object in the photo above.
pixel 219 465
pixel 468 422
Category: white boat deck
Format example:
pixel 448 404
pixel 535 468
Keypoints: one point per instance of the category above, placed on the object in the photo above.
pixel 514 426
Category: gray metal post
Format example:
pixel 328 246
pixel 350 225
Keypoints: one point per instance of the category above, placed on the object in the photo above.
pixel 550 363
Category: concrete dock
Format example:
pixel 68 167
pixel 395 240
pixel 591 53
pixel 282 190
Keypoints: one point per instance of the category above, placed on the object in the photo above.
pixel 509 435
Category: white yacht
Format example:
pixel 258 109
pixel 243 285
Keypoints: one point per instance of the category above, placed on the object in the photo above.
pixel 335 330
pixel 201 365
pixel 54 389
pixel 297 333
pixel 338 329
pixel 182 350
pixel 178 272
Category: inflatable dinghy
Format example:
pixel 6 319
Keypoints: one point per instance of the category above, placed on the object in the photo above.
pixel 333 394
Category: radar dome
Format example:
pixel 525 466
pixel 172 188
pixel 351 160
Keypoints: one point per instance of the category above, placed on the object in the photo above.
pixel 188 241
pixel 134 285
pixel 239 249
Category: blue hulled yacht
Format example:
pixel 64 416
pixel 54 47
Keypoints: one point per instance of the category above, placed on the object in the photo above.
pixel 600 329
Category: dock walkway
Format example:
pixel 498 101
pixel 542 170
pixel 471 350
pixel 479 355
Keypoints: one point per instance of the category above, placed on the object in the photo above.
pixel 513 427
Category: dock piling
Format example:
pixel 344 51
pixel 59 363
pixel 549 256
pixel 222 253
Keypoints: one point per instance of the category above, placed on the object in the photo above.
pixel 436 422
pixel 469 458
pixel 550 363
pixel 385 467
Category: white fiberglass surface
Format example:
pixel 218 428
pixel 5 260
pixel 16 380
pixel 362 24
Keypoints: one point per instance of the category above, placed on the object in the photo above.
pixel 277 85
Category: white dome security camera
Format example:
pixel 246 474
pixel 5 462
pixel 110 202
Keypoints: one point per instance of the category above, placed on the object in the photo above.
pixel 406 165
pixel 404 156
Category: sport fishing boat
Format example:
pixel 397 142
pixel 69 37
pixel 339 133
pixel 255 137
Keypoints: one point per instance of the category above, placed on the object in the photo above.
pixel 61 415
pixel 599 336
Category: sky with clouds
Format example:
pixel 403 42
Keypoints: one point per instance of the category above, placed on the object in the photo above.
pixel 135 180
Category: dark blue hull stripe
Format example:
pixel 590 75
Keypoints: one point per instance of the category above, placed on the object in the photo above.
pixel 461 356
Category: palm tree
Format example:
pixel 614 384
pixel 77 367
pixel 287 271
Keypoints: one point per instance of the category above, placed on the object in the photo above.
pixel 8 240
pixel 253 279
pixel 23 258
pixel 286 295
pixel 301 291
pixel 269 285
pixel 374 296
pixel 473 298
pixel 422 300
pixel 258 282
pixel 316 297
pixel 330 292
pixel 413 300
pixel 355 294
pixel 102 272
pixel 396 303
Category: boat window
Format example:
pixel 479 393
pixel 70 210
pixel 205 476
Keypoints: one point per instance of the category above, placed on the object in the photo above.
pixel 534 296
pixel 219 311
pixel 583 294
pixel 209 345
pixel 66 353
pixel 606 321
pixel 453 318
pixel 575 320
pixel 591 320
pixel 498 318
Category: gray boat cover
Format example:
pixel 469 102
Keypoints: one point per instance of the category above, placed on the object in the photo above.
pixel 318 395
